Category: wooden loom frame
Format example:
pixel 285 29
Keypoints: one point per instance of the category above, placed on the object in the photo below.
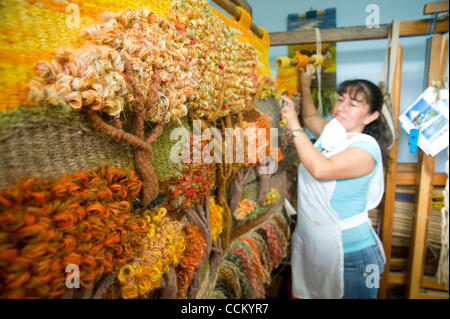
pixel 423 176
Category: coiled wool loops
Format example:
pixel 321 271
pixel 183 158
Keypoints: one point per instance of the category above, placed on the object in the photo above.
pixel 217 56
pixel 93 76
pixel 191 258
pixel 254 256
pixel 272 196
pixel 260 147
pixel 191 182
pixel 89 78
pixel 160 244
pixel 47 224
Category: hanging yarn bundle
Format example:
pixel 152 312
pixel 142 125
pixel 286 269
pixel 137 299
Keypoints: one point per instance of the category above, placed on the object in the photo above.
pixel 47 224
pixel 191 258
pixel 159 243
pixel 245 272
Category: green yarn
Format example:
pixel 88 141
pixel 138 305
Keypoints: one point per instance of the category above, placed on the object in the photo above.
pixel 16 115
pixel 255 212
pixel 161 161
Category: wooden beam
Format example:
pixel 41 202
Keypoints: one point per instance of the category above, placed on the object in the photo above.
pixel 244 4
pixel 407 175
pixel 390 178
pixel 430 8
pixel 424 188
pixel 303 36
pixel 234 11
pixel 431 294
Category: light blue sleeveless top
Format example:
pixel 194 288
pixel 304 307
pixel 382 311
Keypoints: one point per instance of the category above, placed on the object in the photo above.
pixel 349 199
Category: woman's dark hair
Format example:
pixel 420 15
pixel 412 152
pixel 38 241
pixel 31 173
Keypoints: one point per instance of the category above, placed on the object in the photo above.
pixel 373 95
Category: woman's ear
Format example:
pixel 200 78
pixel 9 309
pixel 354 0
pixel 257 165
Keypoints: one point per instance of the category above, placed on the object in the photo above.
pixel 371 117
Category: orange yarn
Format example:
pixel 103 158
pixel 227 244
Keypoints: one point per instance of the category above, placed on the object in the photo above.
pixel 302 60
pixel 263 122
pixel 191 259
pixel 46 224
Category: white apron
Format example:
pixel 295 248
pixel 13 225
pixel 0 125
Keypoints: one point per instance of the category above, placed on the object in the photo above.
pixel 317 257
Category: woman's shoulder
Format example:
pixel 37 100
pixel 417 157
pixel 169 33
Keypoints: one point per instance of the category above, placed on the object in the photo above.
pixel 367 142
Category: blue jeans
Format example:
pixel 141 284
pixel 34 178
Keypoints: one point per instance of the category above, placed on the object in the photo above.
pixel 362 271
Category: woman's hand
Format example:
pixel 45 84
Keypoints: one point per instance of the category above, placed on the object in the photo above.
pixel 306 75
pixel 288 112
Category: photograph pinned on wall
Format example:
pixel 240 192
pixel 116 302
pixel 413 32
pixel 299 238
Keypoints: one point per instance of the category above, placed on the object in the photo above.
pixel 429 114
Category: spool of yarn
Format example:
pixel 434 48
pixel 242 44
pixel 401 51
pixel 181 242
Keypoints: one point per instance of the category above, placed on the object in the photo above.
pixel 298 61
pixel 316 59
pixel 282 62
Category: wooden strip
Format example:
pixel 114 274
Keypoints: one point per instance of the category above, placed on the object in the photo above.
pixel 431 294
pixel 390 178
pixel 396 278
pixel 422 206
pixel 430 8
pixel 234 11
pixel 431 283
pixel 424 187
pixel 428 282
pixel 307 36
pixel 407 175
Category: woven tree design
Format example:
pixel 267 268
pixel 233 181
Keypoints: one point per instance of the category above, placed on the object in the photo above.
pixel 128 62
pixel 142 146
pixel 263 148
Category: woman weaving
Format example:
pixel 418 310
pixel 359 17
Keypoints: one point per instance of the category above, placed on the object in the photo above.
pixel 335 251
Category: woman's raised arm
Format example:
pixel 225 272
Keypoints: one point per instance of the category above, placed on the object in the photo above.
pixel 311 118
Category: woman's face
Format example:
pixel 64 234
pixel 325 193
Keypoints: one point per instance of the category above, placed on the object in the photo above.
pixel 353 114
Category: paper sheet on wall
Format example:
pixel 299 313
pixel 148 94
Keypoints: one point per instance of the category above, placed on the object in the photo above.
pixel 429 114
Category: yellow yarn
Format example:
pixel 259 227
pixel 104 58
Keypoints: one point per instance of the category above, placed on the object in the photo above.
pixel 216 218
pixel 318 59
pixel 261 45
pixel 245 20
pixel 32 30
pixel 162 246
pixel 282 62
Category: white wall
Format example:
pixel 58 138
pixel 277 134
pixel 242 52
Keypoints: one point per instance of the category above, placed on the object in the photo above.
pixel 362 59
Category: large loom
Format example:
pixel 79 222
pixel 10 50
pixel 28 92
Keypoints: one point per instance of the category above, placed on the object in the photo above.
pixel 88 103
